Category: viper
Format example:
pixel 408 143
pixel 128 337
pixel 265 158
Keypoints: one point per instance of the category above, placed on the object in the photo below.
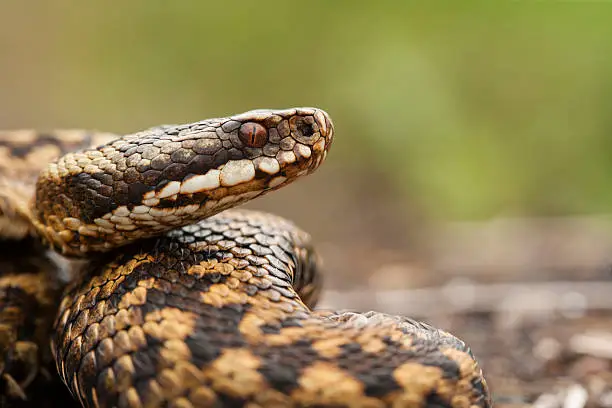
pixel 127 274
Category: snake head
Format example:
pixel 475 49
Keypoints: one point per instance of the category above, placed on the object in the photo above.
pixel 283 144
pixel 285 128
pixel 147 183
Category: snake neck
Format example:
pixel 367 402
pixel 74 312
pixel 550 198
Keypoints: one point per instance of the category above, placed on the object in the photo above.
pixel 23 155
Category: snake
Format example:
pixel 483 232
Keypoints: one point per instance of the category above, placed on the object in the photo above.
pixel 129 278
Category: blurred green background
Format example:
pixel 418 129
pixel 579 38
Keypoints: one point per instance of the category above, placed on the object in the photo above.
pixel 463 111
pixel 473 139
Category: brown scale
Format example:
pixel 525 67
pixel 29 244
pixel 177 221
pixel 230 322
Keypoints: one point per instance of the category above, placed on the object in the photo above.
pixel 210 313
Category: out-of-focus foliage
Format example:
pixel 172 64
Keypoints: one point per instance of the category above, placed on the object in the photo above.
pixel 470 109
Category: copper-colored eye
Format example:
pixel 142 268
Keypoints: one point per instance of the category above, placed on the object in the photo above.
pixel 253 134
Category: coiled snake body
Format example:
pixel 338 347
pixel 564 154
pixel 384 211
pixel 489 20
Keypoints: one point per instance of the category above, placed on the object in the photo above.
pixel 176 300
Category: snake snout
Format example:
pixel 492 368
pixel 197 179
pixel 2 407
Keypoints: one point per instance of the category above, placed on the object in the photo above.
pixel 324 123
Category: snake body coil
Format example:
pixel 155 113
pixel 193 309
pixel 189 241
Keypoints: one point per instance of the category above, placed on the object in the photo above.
pixel 181 301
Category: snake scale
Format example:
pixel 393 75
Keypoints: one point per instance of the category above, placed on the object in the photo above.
pixel 125 255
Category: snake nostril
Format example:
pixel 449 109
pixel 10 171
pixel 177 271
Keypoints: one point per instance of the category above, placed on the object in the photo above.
pixel 253 134
pixel 305 129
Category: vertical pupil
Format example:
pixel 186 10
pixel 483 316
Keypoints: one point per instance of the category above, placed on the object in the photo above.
pixel 253 134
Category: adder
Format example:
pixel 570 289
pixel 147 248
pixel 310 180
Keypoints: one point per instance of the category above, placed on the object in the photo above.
pixel 126 273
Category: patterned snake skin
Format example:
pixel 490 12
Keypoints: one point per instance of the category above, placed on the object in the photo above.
pixel 164 296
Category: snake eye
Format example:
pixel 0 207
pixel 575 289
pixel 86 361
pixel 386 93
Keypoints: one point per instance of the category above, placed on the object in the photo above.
pixel 253 134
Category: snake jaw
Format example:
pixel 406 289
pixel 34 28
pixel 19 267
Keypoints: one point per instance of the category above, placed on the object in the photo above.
pixel 150 182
